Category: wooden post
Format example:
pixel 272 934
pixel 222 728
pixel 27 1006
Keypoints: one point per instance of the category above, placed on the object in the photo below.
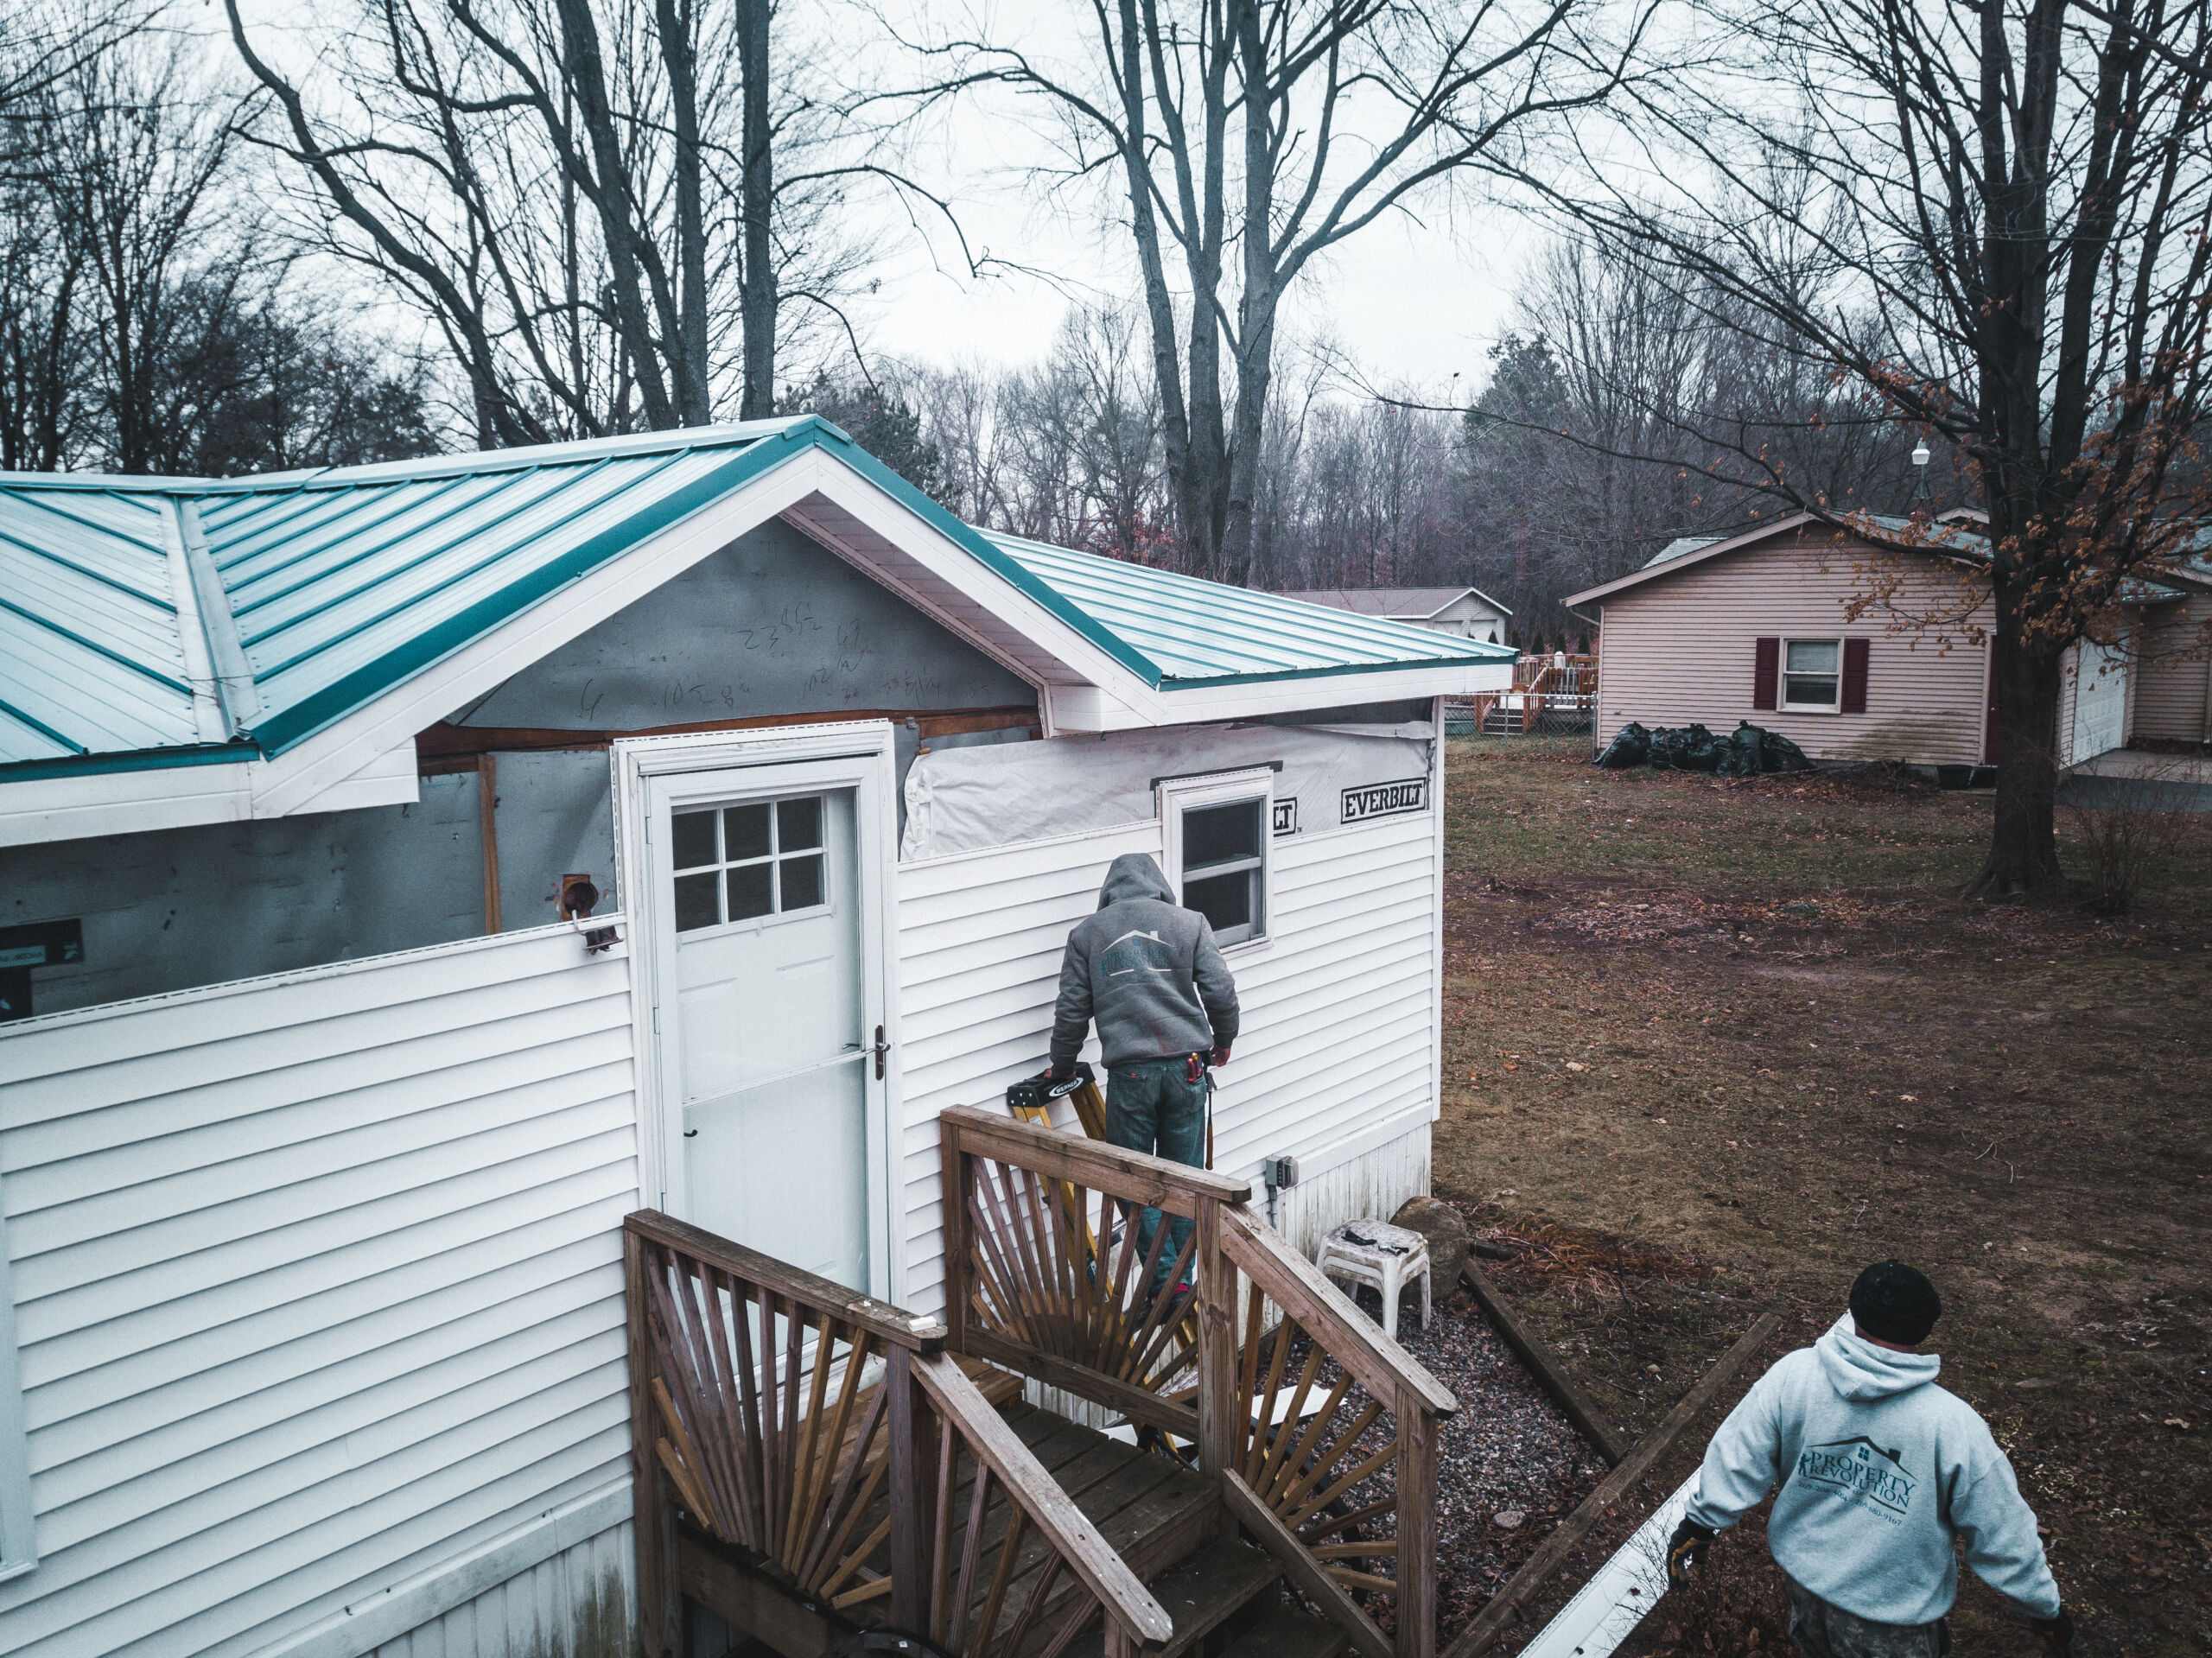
pixel 1216 1309
pixel 661 1611
pixel 487 798
pixel 1416 1528
pixel 913 1494
pixel 956 1169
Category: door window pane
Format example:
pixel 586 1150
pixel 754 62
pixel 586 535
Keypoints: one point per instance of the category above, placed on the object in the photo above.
pixel 799 823
pixel 1223 874
pixel 695 902
pixel 694 835
pixel 750 893
pixel 744 832
pixel 760 859
pixel 802 882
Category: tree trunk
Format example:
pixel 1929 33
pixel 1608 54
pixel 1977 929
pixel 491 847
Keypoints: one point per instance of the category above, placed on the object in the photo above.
pixel 757 287
pixel 688 351
pixel 2022 841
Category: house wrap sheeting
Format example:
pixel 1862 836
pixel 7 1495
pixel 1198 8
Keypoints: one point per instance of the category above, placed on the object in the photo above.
pixel 966 799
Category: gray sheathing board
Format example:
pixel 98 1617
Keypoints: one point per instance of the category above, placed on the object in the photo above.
pixel 191 906
pixel 772 623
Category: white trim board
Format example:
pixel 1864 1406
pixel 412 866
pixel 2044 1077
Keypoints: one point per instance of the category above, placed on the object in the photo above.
pixel 1606 1610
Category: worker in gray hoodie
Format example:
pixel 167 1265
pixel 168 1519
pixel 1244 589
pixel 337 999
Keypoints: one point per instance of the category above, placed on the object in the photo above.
pixel 1880 1469
pixel 1149 972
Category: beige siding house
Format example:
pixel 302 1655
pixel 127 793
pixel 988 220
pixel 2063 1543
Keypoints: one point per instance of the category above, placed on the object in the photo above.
pixel 1759 627
pixel 2172 678
pixel 1466 612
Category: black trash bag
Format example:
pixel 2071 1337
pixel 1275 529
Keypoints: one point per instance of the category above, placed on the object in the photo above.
pixel 1740 755
pixel 1702 750
pixel 1630 747
pixel 1780 754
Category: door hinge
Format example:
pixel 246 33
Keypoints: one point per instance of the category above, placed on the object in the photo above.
pixel 880 1050
pixel 656 1019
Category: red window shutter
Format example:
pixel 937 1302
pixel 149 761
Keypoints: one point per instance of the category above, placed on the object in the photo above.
pixel 1766 672
pixel 1855 652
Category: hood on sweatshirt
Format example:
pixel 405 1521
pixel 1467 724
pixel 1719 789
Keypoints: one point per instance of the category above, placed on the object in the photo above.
pixel 1863 1372
pixel 1133 874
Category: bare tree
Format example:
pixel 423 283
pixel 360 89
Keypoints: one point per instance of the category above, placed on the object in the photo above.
pixel 546 180
pixel 1998 220
pixel 1249 138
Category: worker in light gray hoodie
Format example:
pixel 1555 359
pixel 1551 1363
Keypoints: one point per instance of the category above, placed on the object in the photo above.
pixel 1149 972
pixel 1879 1470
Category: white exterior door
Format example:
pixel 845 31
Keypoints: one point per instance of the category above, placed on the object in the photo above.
pixel 768 1004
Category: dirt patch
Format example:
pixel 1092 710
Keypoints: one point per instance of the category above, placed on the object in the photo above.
pixel 1749 1026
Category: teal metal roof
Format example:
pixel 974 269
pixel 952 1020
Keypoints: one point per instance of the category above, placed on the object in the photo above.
pixel 314 593
pixel 1183 632
pixel 91 654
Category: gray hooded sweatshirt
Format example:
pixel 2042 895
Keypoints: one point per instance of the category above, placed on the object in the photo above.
pixel 1148 970
pixel 1880 1470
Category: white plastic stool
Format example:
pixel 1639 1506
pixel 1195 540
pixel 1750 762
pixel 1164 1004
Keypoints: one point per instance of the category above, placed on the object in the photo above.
pixel 1375 1251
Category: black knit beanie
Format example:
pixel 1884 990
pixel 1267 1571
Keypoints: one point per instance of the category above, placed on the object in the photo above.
pixel 1891 1302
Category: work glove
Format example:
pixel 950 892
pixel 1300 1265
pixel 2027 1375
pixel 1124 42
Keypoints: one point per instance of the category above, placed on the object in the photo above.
pixel 1054 1074
pixel 2057 1633
pixel 1685 1550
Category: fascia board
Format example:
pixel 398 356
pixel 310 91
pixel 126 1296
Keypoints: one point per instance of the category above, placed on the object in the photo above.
pixel 39 810
pixel 390 778
pixel 1202 705
pixel 345 747
pixel 1673 566
pixel 965 569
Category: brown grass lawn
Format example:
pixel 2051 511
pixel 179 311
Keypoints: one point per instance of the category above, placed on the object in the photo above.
pixel 1751 1022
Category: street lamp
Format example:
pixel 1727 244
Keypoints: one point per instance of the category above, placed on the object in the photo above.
pixel 1920 472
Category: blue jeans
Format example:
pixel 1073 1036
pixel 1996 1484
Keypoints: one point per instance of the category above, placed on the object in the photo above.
pixel 1150 1106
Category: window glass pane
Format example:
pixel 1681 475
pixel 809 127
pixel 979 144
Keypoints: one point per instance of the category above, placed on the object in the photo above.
pixel 1224 901
pixel 695 902
pixel 1818 691
pixel 749 890
pixel 744 832
pixel 802 879
pixel 1812 656
pixel 798 825
pixel 694 837
pixel 1217 834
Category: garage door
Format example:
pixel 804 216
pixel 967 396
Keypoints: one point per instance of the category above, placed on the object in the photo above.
pixel 2100 701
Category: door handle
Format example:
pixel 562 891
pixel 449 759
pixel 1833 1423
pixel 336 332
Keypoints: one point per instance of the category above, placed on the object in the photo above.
pixel 880 1048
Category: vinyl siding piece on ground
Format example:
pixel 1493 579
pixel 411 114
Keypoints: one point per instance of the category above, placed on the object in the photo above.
pixel 1337 1058
pixel 2172 678
pixel 1683 649
pixel 318 1284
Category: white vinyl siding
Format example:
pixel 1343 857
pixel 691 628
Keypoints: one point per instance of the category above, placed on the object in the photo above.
pixel 318 1284
pixel 1336 1054
pixel 1680 649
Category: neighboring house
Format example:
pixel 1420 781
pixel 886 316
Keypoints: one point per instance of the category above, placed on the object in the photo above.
pixel 1463 611
pixel 1759 627
pixel 2172 671
pixel 316 1141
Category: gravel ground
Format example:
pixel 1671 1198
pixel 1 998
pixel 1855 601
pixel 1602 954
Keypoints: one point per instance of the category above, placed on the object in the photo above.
pixel 1510 1465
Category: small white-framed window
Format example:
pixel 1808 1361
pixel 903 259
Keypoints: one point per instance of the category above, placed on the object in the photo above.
pixel 748 862
pixel 1216 835
pixel 1812 675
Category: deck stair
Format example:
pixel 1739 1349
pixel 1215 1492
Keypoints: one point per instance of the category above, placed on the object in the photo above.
pixel 811 1463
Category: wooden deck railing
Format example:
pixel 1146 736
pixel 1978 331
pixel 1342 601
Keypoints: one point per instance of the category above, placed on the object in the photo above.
pixel 1319 1429
pixel 828 1441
